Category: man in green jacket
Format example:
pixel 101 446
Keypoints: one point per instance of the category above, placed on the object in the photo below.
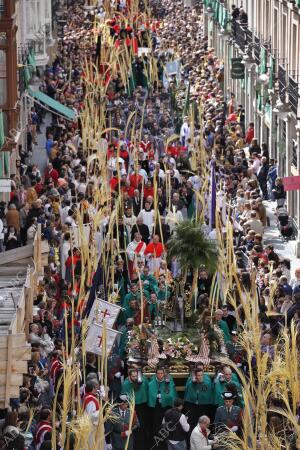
pixel 223 325
pixel 198 397
pixel 149 281
pixel 161 396
pixel 227 381
pixel 138 388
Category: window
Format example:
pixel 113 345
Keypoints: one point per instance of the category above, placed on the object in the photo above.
pixel 294 47
pixel 3 78
pixel 275 29
pixel 31 17
pixel 294 154
pixel 283 37
pixel 2 8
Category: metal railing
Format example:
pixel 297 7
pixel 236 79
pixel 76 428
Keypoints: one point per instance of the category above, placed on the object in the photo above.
pixel 293 91
pixel 282 81
pixel 256 48
pixel 240 35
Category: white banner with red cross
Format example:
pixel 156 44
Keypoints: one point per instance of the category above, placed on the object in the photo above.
pixel 94 339
pixel 102 310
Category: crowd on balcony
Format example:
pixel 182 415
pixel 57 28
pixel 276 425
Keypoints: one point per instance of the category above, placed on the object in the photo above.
pixel 56 199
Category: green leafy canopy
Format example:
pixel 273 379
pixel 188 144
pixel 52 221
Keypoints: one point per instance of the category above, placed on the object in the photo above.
pixel 191 248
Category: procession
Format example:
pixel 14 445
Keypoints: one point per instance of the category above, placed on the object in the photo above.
pixel 165 315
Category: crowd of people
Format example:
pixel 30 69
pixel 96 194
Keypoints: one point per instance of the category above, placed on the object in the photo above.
pixel 154 186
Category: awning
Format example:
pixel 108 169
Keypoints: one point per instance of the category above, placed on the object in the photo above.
pixel 54 105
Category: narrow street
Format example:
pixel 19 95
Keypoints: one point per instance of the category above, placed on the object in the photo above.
pixel 154 201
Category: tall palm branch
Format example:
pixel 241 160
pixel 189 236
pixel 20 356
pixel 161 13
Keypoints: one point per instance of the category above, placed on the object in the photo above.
pixel 191 248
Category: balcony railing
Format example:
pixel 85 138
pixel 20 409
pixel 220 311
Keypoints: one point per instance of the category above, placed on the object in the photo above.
pixel 257 49
pixel 249 36
pixel 240 35
pixel 293 91
pixel 282 82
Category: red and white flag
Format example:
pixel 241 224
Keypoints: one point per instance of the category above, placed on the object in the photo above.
pixel 94 339
pixel 102 310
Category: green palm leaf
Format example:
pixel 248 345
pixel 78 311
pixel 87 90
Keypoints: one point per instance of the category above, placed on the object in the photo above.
pixel 191 248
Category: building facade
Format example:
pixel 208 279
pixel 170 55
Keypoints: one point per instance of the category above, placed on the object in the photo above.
pixel 25 45
pixel 9 108
pixel 268 41
pixel 34 18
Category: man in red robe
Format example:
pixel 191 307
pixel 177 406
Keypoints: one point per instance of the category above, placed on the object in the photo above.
pixel 154 253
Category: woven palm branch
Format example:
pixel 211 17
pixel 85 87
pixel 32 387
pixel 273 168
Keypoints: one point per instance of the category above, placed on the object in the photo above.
pixel 191 248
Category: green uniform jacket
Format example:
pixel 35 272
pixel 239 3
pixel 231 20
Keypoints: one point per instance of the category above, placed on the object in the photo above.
pixel 123 342
pixel 163 294
pixel 167 391
pixel 152 309
pixel 226 332
pixel 199 393
pixel 220 388
pixel 151 283
pixel 139 391
pixel 136 296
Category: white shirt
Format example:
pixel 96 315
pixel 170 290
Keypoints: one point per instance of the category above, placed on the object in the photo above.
pixel 185 426
pixel 143 173
pixel 255 165
pixel 196 182
pixel 173 218
pixel 185 131
pixel 148 218
pixel 1 230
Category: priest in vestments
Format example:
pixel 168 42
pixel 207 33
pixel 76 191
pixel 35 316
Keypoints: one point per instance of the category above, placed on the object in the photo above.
pixel 154 253
pixel 135 251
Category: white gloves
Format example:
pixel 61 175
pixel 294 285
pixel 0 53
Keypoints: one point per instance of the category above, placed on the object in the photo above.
pixel 102 392
pixel 128 433
pixel 234 428
pixel 108 447
pixel 118 375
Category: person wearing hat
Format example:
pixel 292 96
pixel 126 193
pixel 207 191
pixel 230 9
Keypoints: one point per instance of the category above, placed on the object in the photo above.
pixel 198 396
pixel 137 387
pixel 235 350
pixel 225 380
pixel 229 415
pixel 119 428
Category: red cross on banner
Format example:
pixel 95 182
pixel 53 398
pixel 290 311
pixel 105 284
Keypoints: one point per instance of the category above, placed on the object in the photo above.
pixel 105 313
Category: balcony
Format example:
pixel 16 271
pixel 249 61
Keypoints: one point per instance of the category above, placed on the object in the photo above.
pixel 293 91
pixel 282 82
pixel 249 36
pixel 240 35
pixel 257 49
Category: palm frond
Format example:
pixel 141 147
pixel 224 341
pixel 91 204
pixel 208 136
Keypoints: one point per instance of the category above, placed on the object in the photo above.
pixel 191 248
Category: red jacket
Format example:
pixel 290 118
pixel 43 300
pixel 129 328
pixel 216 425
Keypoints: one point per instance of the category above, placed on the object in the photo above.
pixel 135 180
pixel 51 174
pixel 249 135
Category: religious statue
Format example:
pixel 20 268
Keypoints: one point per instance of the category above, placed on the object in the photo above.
pixel 211 341
pixel 179 304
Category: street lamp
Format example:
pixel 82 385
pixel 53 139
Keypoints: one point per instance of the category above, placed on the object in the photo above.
pixel 282 109
pixel 248 59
